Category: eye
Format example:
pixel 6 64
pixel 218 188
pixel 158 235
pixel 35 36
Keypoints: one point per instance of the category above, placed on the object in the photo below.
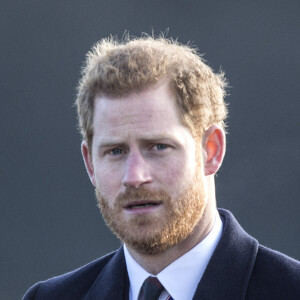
pixel 116 151
pixel 160 147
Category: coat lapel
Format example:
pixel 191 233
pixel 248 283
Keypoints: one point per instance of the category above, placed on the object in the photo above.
pixel 112 282
pixel 228 272
pixel 226 276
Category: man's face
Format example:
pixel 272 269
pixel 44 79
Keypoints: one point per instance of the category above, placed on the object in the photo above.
pixel 147 171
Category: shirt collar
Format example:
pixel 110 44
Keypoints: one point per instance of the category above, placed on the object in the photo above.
pixel 136 274
pixel 182 276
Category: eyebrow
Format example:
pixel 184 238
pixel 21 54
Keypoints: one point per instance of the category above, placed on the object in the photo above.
pixel 108 144
pixel 111 142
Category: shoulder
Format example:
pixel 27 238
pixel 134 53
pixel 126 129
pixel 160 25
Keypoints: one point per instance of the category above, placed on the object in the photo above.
pixel 74 283
pixel 274 274
pixel 261 272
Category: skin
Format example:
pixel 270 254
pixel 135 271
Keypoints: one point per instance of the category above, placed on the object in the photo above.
pixel 139 142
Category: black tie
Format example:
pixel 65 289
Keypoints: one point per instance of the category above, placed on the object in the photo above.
pixel 151 289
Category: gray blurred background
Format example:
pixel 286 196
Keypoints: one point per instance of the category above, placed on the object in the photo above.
pixel 49 222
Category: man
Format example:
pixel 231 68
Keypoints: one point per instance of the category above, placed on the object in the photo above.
pixel 152 114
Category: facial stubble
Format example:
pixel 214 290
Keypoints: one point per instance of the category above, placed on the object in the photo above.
pixel 152 234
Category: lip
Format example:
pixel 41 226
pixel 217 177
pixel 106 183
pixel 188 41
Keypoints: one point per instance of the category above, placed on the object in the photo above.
pixel 142 206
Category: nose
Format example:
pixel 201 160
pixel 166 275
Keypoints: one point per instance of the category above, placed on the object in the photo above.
pixel 136 172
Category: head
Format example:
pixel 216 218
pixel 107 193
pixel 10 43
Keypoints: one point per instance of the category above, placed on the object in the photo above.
pixel 116 69
pixel 152 118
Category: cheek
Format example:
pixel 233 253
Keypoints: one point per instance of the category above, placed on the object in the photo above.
pixel 173 176
pixel 178 174
pixel 107 183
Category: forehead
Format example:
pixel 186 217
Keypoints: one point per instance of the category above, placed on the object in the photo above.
pixel 154 109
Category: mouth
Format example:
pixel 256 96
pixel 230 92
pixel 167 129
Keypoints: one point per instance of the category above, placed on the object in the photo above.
pixel 142 204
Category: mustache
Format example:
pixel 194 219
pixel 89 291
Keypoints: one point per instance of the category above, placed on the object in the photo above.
pixel 132 194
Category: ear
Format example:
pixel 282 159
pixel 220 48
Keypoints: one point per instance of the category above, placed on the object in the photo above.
pixel 214 144
pixel 86 153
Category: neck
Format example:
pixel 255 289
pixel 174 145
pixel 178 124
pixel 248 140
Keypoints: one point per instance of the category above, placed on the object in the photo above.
pixel 154 264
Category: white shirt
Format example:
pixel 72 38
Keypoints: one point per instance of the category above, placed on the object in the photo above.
pixel 181 277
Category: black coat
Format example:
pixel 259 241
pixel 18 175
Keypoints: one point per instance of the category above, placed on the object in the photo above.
pixel 240 268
